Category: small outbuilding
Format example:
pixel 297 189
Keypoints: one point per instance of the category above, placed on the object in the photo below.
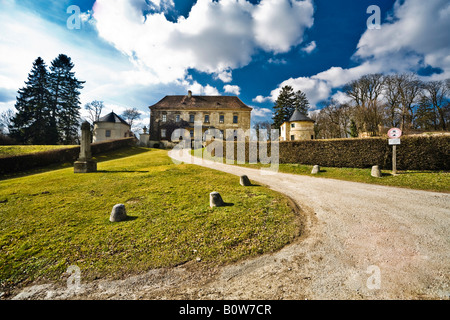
pixel 111 127
pixel 298 127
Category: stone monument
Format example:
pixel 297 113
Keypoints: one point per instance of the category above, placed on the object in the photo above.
pixel 85 164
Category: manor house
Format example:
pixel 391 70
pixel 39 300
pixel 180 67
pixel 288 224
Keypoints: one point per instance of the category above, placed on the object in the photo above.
pixel 213 112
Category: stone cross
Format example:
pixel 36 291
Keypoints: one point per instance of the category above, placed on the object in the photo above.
pixel 85 164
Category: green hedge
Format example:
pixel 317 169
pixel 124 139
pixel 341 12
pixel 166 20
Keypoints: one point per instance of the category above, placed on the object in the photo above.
pixel 26 162
pixel 414 153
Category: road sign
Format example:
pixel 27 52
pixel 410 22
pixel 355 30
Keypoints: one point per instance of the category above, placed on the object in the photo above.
pixel 394 133
pixel 393 142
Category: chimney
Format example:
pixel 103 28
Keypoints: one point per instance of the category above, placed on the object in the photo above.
pixel 189 94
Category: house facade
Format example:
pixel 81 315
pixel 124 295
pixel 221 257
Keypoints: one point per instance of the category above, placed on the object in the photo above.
pixel 298 127
pixel 111 127
pixel 186 112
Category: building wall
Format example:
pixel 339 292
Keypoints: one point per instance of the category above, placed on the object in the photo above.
pixel 118 131
pixel 157 123
pixel 303 130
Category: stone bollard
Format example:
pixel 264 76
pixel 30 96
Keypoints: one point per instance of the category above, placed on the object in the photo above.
pixel 245 181
pixel 118 213
pixel 376 172
pixel 215 200
pixel 315 169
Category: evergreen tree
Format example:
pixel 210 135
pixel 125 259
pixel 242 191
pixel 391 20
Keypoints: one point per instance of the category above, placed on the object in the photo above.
pixel 284 106
pixel 29 125
pixel 353 129
pixel 301 102
pixel 65 102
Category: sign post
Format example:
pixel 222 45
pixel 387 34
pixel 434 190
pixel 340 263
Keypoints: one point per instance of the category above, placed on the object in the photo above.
pixel 394 135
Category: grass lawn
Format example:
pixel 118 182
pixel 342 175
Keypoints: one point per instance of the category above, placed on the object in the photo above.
pixel 422 180
pixel 6 151
pixel 54 219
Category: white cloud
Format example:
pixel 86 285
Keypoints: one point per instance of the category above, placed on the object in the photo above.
pixel 316 90
pixel 261 99
pixel 225 76
pixel 216 37
pixel 277 61
pixel 310 47
pixel 232 89
pixel 280 24
pixel 264 113
pixel 198 89
pixel 417 33
pixel 413 37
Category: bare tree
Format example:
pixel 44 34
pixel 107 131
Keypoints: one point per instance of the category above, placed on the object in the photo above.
pixel 6 120
pixel 366 96
pixel 95 110
pixel 131 114
pixel 436 95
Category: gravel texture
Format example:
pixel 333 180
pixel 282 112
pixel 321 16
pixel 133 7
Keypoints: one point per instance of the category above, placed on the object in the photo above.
pixel 359 241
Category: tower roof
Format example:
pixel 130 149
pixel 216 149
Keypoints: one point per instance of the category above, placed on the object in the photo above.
pixel 298 116
pixel 113 118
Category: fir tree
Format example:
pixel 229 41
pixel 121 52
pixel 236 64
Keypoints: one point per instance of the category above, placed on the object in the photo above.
pixel 301 102
pixel 353 129
pixel 284 106
pixel 29 125
pixel 65 103
pixel 287 102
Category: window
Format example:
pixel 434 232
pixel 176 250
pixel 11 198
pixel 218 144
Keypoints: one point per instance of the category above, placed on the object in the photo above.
pixel 292 125
pixel 177 118
pixel 163 133
pixel 312 137
pixel 191 117
pixel 108 133
pixel 221 118
pixel 206 118
pixel 235 119
pixel 292 138
pixel 192 133
pixel 164 117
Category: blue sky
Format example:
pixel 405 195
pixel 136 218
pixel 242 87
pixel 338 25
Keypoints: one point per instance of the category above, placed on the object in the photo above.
pixel 132 53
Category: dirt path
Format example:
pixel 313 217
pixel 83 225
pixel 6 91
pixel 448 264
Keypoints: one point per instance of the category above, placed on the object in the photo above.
pixel 362 242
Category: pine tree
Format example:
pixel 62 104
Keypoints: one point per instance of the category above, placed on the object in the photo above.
pixel 301 102
pixel 353 129
pixel 65 102
pixel 284 106
pixel 30 122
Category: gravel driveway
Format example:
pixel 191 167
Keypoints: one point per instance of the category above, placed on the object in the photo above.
pixel 361 241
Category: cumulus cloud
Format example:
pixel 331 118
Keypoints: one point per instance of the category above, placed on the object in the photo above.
pixel 310 47
pixel 413 37
pixel 264 113
pixel 261 99
pixel 232 89
pixel 416 34
pixel 216 37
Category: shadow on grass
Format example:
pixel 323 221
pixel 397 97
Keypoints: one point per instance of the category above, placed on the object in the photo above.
pixel 107 156
pixel 227 204
pixel 120 171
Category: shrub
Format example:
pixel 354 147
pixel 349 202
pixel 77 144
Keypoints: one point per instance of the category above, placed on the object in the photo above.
pixel 25 162
pixel 414 153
